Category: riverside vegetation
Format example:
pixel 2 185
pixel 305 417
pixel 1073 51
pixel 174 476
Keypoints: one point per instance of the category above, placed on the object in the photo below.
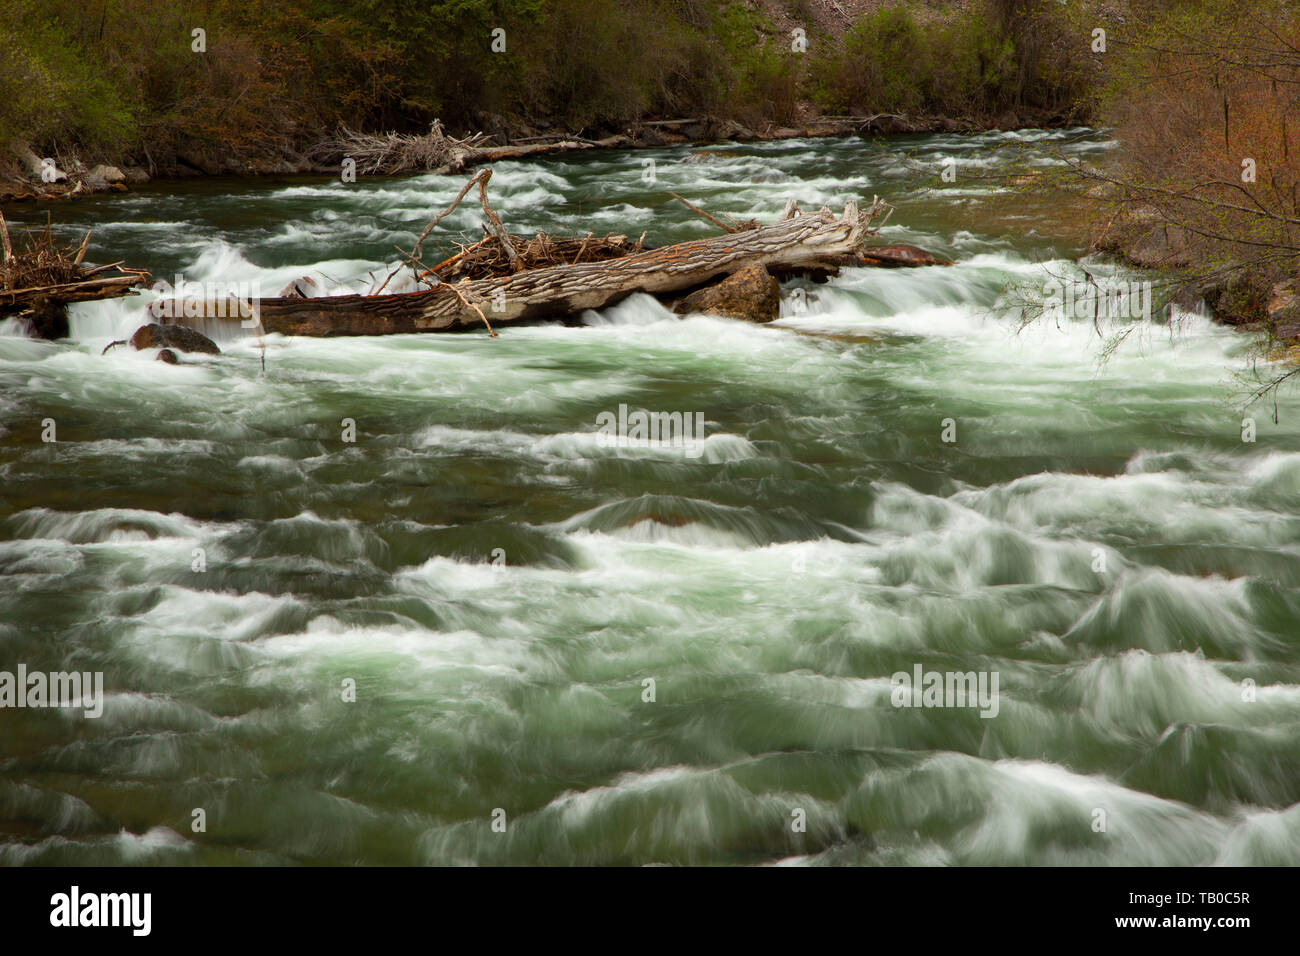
pixel 274 78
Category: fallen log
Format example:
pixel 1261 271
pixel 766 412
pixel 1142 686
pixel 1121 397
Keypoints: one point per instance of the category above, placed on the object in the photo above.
pixel 808 240
pixel 111 288
pixel 885 257
pixel 479 155
pixel 894 257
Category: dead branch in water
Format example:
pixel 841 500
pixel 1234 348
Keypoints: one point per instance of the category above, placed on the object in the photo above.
pixel 546 277
pixel 44 276
pixel 499 253
pixel 731 225
pixel 485 259
pixel 419 243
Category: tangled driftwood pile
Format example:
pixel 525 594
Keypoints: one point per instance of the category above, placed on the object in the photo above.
pixel 435 151
pixel 40 279
pixel 487 259
pixel 393 153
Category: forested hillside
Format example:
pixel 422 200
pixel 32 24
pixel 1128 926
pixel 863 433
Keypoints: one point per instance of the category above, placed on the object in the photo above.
pixel 137 80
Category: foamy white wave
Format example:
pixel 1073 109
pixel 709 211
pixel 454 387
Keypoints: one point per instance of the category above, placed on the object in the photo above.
pixel 85 527
pixel 1144 693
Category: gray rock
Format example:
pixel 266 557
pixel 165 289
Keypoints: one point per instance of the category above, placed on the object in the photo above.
pixel 104 179
pixel 36 165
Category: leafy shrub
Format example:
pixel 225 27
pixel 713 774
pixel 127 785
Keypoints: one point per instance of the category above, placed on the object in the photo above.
pixel 49 90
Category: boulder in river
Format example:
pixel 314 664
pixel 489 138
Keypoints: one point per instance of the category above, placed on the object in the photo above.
pixel 154 336
pixel 168 357
pixel 749 293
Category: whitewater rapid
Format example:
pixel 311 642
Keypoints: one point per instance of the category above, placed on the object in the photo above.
pixel 499 585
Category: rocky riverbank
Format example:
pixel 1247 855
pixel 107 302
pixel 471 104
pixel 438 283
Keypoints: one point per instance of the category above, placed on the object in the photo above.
pixel 1249 295
pixel 27 177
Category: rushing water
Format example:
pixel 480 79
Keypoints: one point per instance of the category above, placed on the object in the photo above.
pixel 500 585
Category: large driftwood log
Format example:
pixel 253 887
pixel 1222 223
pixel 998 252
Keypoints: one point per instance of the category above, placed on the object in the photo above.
pixel 478 155
pixel 16 300
pixel 799 241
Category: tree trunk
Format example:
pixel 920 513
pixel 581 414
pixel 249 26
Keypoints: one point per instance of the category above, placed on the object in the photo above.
pixel 807 240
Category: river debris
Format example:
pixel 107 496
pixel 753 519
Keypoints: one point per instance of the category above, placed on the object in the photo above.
pixel 514 291
pixel 486 259
pixel 390 154
pixel 517 279
pixel 38 280
pixel 499 254
pixel 895 257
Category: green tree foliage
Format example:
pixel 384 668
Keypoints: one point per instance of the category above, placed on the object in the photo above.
pixel 112 75
pixel 981 59
pixel 49 90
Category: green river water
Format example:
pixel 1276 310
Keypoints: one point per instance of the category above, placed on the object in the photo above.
pixel 502 587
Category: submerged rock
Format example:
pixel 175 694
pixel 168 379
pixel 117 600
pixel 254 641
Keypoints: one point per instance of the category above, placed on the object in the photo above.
pixel 168 357
pixel 750 294
pixel 154 336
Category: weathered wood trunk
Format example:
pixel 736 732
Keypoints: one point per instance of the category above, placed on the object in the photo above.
pixel 801 240
pixel 18 300
pixel 477 155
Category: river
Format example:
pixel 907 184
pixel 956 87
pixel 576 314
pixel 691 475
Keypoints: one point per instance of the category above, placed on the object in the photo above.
pixel 562 652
